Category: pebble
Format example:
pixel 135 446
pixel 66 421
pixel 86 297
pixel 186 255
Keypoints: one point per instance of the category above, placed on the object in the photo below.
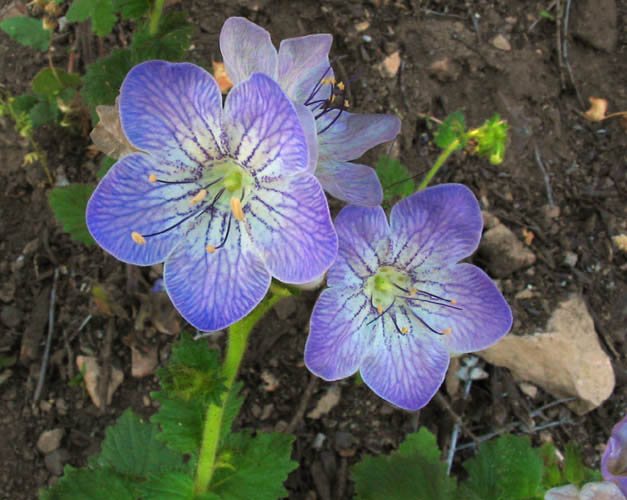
pixel 501 43
pixel 570 259
pixel 391 64
pixel 56 460
pixel 50 440
pixel 504 252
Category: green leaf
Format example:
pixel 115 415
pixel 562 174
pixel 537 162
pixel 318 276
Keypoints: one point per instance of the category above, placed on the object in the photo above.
pixel 131 448
pixel 169 486
pixel 50 82
pixel 80 10
pixel 27 31
pixel 88 484
pixel 69 204
pixel 181 422
pixel 101 83
pixel 43 112
pixel 231 410
pixel 573 464
pixel 414 471
pixel 23 103
pixel 552 475
pixel 253 467
pixel 506 468
pixel 395 179
pixel 105 164
pixel 103 18
pixel 172 39
pixel 453 128
pixel 132 9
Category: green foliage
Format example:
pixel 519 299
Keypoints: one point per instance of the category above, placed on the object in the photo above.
pixel 101 83
pixel 506 468
pixel 132 9
pixel 574 471
pixel 414 471
pixel 253 467
pixel 491 138
pixel 169 43
pixel 88 484
pixel 452 129
pixel 395 179
pixel 27 31
pixel 105 164
pixel 181 422
pixel 101 12
pixel 69 204
pixel 231 410
pixel 50 82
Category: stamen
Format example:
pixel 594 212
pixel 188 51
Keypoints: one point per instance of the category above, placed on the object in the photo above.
pixel 404 329
pixel 347 103
pixel 226 236
pixel 152 178
pixel 418 299
pixel 412 291
pixel 380 314
pixel 201 195
pixel 138 238
pixel 236 207
pixel 379 309
pixel 453 301
pixel 210 248
pixel 328 81
pixel 447 331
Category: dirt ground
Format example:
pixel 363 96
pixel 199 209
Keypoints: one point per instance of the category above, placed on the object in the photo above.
pixel 481 57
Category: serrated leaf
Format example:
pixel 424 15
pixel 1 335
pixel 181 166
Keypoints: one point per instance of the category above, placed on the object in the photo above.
pixel 132 9
pixel 395 179
pixel 88 484
pixel 105 164
pixel 453 128
pixel 131 448
pixel 181 422
pixel 27 31
pixel 50 82
pixel 80 10
pixel 69 204
pixel 414 471
pixel 101 83
pixel 170 42
pixel 257 466
pixel 231 410
pixel 169 486
pixel 506 468
pixel 103 18
pixel 43 112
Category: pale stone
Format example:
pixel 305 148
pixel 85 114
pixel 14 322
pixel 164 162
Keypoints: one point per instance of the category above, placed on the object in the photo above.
pixel 50 440
pixel 143 363
pixel 565 361
pixel 528 389
pixel 270 382
pixel 92 376
pixel 501 43
pixel 504 252
pixel 326 403
pixel 391 64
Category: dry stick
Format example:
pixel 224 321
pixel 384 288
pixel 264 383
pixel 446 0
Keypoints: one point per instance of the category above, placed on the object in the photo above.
pixel 533 25
pixel 549 195
pixel 342 477
pixel 558 36
pixel 44 363
pixel 565 53
pixel 311 387
pixel 455 434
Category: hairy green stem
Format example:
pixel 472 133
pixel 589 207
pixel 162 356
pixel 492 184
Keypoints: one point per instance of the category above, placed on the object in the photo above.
pixel 155 16
pixel 237 342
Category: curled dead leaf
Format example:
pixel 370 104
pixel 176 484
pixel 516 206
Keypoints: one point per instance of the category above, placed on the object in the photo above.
pixel 598 108
pixel 108 135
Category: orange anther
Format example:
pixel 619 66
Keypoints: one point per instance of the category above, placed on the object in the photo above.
pixel 138 238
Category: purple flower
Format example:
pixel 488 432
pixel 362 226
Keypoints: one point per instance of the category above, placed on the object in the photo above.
pixel 303 70
pixel 223 196
pixel 590 491
pixel 399 303
pixel 614 461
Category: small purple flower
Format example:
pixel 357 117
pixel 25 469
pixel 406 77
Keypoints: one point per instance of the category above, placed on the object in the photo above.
pixel 335 136
pixel 223 196
pixel 589 491
pixel 399 303
pixel 614 461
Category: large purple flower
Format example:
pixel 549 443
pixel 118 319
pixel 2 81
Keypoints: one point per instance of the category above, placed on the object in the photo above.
pixel 223 196
pixel 399 303
pixel 614 461
pixel 335 136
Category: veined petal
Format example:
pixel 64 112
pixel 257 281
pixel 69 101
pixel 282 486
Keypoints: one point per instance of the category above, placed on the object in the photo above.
pixel 289 223
pixel 303 62
pixel 172 111
pixel 353 134
pixel 350 182
pixel 360 231
pixel 214 290
pixel 435 227
pixel 264 131
pixel 567 492
pixel 309 127
pixel 246 49
pixel 404 369
pixel 338 335
pixel 601 491
pixel 614 460
pixel 125 201
pixel 479 317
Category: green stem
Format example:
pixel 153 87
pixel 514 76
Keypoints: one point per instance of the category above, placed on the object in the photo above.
pixel 237 342
pixel 155 17
pixel 439 162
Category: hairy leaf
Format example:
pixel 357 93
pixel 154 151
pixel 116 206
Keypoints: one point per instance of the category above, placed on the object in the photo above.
pixel 43 112
pixel 132 9
pixel 89 484
pixel 169 486
pixel 102 13
pixel 102 81
pixel 27 31
pixel 69 204
pixel 181 422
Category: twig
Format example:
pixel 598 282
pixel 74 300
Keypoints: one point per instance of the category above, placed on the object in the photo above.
pixel 105 360
pixel 565 53
pixel 547 181
pixel 533 24
pixel 558 37
pixel 304 400
pixel 342 477
pixel 455 434
pixel 44 362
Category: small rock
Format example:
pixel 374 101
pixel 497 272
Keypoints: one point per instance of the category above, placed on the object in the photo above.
pixel 362 26
pixel 570 259
pixel 284 308
pixel 143 363
pixel 504 252
pixel 525 293
pixel 566 360
pixel 50 440
pixel 267 411
pixel 594 21
pixel 318 441
pixel 146 400
pixel 528 389
pixel 391 64
pixel 326 403
pixel 501 43
pixel 445 69
pixel 56 460
pixel 270 382
pixel 489 220
pixel 10 316
pixel 92 376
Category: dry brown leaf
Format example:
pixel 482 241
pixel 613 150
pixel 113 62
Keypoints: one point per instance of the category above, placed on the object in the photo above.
pixel 108 135
pixel 219 73
pixel 528 236
pixel 598 108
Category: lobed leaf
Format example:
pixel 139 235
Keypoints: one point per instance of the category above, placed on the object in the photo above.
pixel 181 422
pixel 132 9
pixel 102 13
pixel 69 204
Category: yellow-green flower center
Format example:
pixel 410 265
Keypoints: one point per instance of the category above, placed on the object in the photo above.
pixel 385 285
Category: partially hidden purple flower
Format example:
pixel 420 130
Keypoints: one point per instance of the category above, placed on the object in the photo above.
pixel 399 303
pixel 614 461
pixel 590 491
pixel 335 136
pixel 222 195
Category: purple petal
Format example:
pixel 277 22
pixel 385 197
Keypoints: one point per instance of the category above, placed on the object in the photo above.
pixel 360 232
pixel 479 316
pixel 265 133
pixel 404 369
pixel 309 127
pixel 568 492
pixel 350 182
pixel 614 461
pixel 290 224
pixel 214 290
pixel 246 49
pixel 173 112
pixel 338 336
pixel 353 134
pixel 600 491
pixel 303 62
pixel 125 201
pixel 438 226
